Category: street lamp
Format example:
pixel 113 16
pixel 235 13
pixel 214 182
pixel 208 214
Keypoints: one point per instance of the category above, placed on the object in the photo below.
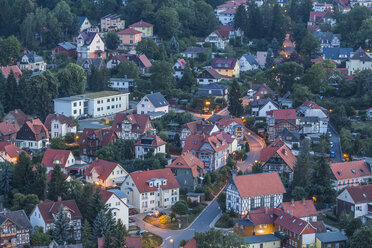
pixel 172 241
pixel 156 216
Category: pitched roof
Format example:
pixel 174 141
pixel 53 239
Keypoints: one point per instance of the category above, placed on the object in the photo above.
pixel 6 128
pixel 361 55
pixel 141 179
pixel 103 135
pixel 278 147
pixel 212 89
pixel 181 62
pixel 32 58
pixel 36 127
pixel 212 73
pixel 284 114
pixel 5 70
pixel 256 184
pixel 351 169
pixel 106 195
pixel 141 24
pixel 129 31
pixel 224 63
pixel 52 157
pixel 12 150
pixel 250 58
pixel 195 142
pixel 81 20
pixel 361 194
pixel 18 217
pixel 67 45
pixel 300 209
pixel 292 223
pixel 262 102
pixel 102 167
pixel 335 52
pixel 49 208
pixel 224 122
pixel 157 99
pixel 223 31
pixel 199 127
pixel 295 136
pixel 61 118
pixel 188 161
pixel 190 244
pixel 331 237
pixel 144 60
pixel 134 242
pixel 150 140
pixel 138 122
pixel 261 239
pixel 88 37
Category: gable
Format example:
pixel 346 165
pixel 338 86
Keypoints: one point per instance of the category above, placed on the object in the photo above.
pixel 346 197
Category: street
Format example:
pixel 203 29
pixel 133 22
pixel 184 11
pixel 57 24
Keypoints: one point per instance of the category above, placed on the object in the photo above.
pixel 336 145
pixel 256 144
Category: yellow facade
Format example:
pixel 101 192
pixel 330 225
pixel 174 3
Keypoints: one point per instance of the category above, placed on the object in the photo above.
pixel 146 31
pixel 230 72
pixel 271 244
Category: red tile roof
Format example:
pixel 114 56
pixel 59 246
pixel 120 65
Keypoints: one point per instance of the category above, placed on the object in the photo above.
pixel 182 63
pixel 190 244
pixel 6 128
pixel 102 167
pixel 278 147
pixel 138 122
pixel 104 136
pixel 49 208
pixel 36 127
pixel 141 24
pixel 52 157
pixel 224 63
pixel 224 122
pixel 311 105
pixel 129 31
pixel 300 209
pixel 361 194
pixel 135 242
pixel 195 142
pixel 352 169
pixel 61 118
pixel 293 223
pixel 188 161
pixel 5 70
pixel 257 184
pixel 19 117
pixel 199 127
pixel 284 114
pixel 145 61
pixel 156 141
pixel 140 179
pixel 10 149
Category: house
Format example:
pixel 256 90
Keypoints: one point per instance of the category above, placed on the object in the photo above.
pixel 188 170
pixel 310 105
pixel 92 140
pixel 348 174
pixel 15 229
pixel 54 157
pixel 191 243
pixel 337 54
pixel 226 67
pixel 330 239
pixel 315 121
pixel 105 173
pixel 356 201
pixel 261 58
pixel 89 63
pixel 226 17
pixel 220 37
pixel 112 22
pixel 149 143
pixel 9 152
pixel 8 132
pixel 261 222
pixel 143 64
pixel 193 52
pixel 249 192
pixel 147 29
pixel 328 39
pixel 266 240
pixel 198 127
pixel 304 210
pixel 59 125
pixel 215 90
pixel 290 138
pixel 368 114
pixel 5 70
pixel 279 119
pixel 94 104
pixel 33 135
pixel 260 91
pixel 262 106
pixel 129 38
pixel 151 190
pixel 359 61
pixel 365 3
pixel 248 62
pixel 231 4
pixel 317 18
pixel 209 76
pixel 178 68
pixel 17 118
pixel 231 140
pixel 44 215
pixel 119 209
pixel 65 47
pixel 234 126
pixel 90 45
pixel 210 149
pixel 120 58
pixel 132 126
pixel 32 62
pixel 277 157
pixel 124 84
pixel 84 23
pixel 322 7
pixel 154 102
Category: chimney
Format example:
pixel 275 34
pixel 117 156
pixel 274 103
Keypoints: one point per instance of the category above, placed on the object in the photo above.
pixel 5 211
pixel 303 201
pixel 291 212
pixel 292 203
pixel 59 198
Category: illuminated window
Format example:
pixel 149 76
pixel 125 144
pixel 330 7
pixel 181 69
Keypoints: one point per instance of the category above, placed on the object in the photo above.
pixel 149 105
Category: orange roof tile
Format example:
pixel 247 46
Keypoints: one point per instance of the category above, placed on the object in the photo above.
pixel 300 209
pixel 102 167
pixel 352 169
pixel 188 161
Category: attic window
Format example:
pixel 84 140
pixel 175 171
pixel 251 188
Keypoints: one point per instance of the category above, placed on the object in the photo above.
pixel 294 221
pixel 300 224
pixel 364 195
pixel 288 211
pixel 339 173
pixel 362 170
pixel 165 182
pixel 151 184
pixel 281 217
pixel 353 171
pixel 194 142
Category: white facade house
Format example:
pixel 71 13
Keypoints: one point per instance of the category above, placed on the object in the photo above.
pixel 148 143
pixel 178 68
pixel 32 62
pixel 358 62
pixel 322 119
pixel 151 190
pixel 119 209
pixel 226 17
pixel 105 173
pixel 262 106
pixel 54 157
pixel 60 125
pixel 89 45
pixel 248 62
pixel 93 104
pixel 152 103
pixel 122 84
pixel 84 23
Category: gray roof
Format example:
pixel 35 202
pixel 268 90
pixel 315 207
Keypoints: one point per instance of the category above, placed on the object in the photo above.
pixel 250 58
pixel 262 102
pixel 327 36
pixel 294 134
pixel 335 52
pixel 118 193
pixel 68 99
pixel 194 50
pixel 361 55
pixel 212 74
pixel 19 217
pixel 157 100
pixel 81 20
pixel 32 58
pixel 261 239
pixel 329 237
pixel 212 89
pixel 67 45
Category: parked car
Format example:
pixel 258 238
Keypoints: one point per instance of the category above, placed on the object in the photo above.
pixel 141 231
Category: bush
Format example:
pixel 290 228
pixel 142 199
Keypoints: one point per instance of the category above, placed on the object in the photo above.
pixel 180 208
pixel 225 221
pixel 164 219
pixel 222 201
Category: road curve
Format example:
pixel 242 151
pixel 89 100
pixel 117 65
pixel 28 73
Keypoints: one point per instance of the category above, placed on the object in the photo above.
pixel 256 144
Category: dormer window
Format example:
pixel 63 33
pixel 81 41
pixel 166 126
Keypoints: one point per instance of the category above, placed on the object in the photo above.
pixel 151 184
pixel 165 182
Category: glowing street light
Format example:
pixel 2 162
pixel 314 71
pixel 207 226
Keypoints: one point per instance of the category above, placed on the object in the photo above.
pixel 207 103
pixel 172 241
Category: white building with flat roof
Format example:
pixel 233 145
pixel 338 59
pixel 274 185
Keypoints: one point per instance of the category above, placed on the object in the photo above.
pixel 93 104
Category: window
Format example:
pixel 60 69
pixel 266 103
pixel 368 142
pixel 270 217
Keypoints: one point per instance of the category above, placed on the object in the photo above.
pixel 75 104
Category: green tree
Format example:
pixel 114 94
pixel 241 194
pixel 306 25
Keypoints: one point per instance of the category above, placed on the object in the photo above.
pixel 2 88
pixel 298 193
pixel 257 168
pixel 310 46
pixel 301 174
pixel 95 205
pixel 61 226
pixel 188 79
pixel 235 103
pixel 166 22
pixel 241 18
pixel 72 80
pixel 130 69
pixel 162 76
pixel 101 224
pixel 87 235
pixel 98 80
pixel 39 238
pixel 24 202
pixel 23 176
pixel 277 29
pixel 255 22
pixel 148 47
pixel 39 183
pixel 288 73
pixel 11 89
pixel 9 50
pixel 353 225
pixel 6 174
pixel 180 208
pixel 57 185
pixel 66 19
pixel 301 93
pixel 112 40
pixel 57 143
pixel 218 239
pixel 361 238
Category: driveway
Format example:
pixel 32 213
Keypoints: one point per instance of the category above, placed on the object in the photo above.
pixel 256 144
pixel 200 224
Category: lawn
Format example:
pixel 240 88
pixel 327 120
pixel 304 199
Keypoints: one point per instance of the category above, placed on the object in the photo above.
pixel 151 240
pixel 185 220
pixel 328 221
